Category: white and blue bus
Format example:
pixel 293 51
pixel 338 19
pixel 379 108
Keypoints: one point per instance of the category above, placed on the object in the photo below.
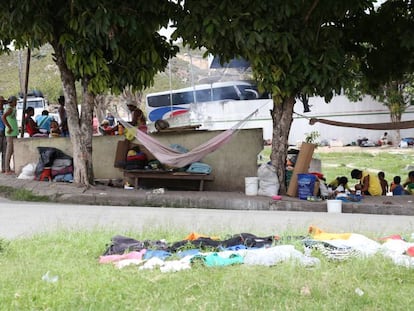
pixel 164 105
pixel 214 106
pixel 220 105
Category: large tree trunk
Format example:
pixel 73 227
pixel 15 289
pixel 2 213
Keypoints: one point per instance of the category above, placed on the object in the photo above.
pixel 87 130
pixel 396 118
pixel 80 129
pixel 282 116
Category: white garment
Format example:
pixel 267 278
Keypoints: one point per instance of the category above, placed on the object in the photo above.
pixel 340 188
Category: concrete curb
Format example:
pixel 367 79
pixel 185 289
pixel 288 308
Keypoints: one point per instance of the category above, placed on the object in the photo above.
pixel 104 195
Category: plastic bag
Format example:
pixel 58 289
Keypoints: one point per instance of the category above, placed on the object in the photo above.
pixel 268 180
pixel 28 171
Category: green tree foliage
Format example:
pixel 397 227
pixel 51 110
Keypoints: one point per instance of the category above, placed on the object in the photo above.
pixel 384 42
pixel 383 56
pixel 106 45
pixel 295 48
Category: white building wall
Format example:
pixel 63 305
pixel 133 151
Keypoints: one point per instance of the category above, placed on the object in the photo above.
pixel 343 110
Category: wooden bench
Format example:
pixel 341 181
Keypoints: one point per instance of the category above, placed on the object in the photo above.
pixel 166 175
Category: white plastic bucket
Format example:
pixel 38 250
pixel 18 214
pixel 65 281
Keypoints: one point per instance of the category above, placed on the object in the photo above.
pixel 334 206
pixel 252 185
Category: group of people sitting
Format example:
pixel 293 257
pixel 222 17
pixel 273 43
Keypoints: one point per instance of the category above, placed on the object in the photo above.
pixel 396 187
pixel 373 184
pixel 109 127
pixel 43 126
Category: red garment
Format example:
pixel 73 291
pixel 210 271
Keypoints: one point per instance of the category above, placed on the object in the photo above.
pixel 108 130
pixel 31 131
pixel 116 257
pixel 317 174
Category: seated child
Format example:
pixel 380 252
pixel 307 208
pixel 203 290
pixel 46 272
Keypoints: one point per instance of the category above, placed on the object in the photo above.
pixel 358 188
pixel 383 182
pixel 107 129
pixel 409 189
pixel 396 187
pixel 337 181
pixel 342 185
pixel 54 129
pixel 408 185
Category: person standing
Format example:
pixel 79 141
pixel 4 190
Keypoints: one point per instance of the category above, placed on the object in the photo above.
pixel 11 131
pixel 3 142
pixel 63 117
pixel 110 118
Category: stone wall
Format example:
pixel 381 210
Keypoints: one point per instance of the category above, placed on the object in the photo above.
pixel 231 163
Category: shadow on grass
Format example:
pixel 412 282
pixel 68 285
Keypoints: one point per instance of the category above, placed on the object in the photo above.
pixel 22 195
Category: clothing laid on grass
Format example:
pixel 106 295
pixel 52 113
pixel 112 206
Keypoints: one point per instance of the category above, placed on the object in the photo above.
pixel 334 246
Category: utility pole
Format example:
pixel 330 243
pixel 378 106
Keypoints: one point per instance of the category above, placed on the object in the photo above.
pixel 26 84
pixel 20 65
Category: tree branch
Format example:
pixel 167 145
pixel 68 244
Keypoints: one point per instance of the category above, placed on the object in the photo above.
pixel 307 16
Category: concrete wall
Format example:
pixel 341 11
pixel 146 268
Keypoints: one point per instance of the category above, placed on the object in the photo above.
pixel 231 163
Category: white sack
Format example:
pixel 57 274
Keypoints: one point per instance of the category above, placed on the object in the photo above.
pixel 28 171
pixel 268 181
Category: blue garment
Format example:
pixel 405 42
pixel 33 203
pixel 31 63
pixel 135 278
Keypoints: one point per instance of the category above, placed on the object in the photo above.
pixel 111 120
pixel 188 252
pixel 215 260
pixel 43 122
pixel 399 190
pixel 156 253
pixel 2 126
pixel 64 178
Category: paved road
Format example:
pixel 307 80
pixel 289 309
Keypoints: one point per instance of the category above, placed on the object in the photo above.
pixel 20 219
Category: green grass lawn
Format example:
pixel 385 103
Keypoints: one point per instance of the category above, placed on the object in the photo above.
pixel 84 284
pixel 393 162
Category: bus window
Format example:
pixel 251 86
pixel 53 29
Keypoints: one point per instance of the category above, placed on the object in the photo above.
pixel 158 101
pixel 203 95
pixel 228 92
pixel 247 90
pixel 183 98
pixel 250 94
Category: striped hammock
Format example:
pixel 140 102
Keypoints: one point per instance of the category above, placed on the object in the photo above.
pixel 173 158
